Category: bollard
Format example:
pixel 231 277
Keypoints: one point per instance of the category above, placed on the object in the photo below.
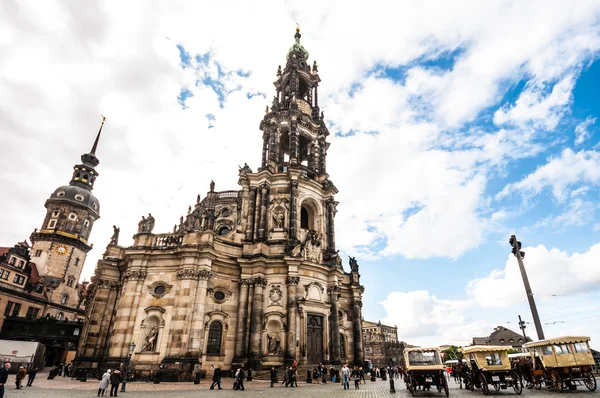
pixel 392 388
pixel 308 377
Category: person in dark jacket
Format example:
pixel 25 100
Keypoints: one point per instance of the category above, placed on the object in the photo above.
pixel 240 380
pixel 21 372
pixel 4 377
pixel 217 378
pixel 273 376
pixel 31 376
pixel 115 379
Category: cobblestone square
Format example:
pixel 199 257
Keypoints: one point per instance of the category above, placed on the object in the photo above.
pixel 64 387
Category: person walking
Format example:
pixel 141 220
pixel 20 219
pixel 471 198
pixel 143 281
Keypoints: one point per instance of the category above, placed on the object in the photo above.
pixel 115 380
pixel 346 377
pixel 4 377
pixel 361 372
pixel 104 382
pixel 241 377
pixel 356 377
pixel 273 376
pixel 21 372
pixel 216 379
pixel 31 376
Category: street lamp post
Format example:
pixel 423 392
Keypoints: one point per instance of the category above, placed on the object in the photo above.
pixel 131 350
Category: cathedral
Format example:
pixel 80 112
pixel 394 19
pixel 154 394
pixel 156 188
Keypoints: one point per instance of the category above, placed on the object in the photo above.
pixel 250 277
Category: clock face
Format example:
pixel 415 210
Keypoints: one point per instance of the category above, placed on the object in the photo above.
pixel 61 249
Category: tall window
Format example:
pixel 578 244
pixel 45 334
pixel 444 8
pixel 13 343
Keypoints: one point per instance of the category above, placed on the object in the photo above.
pixel 38 253
pixel 8 308
pixel 76 263
pixel 32 312
pixel 19 279
pixel 60 316
pixel 21 264
pixel 16 309
pixel 215 333
pixel 304 218
pixel 64 299
pixel 4 274
pixel 12 261
pixel 70 282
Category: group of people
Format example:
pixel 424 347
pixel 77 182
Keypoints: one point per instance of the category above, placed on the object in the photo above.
pixel 21 373
pixel 290 376
pixel 112 378
pixel 238 380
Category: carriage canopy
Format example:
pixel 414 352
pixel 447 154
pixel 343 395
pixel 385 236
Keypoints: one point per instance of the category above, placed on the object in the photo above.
pixel 420 358
pixel 488 357
pixel 562 351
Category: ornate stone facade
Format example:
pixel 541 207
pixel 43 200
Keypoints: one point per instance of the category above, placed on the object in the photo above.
pixel 249 277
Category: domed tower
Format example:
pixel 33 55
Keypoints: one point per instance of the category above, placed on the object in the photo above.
pixel 61 245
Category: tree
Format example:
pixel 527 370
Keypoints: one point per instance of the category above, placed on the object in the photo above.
pixel 452 353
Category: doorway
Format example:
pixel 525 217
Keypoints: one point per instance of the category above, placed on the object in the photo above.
pixel 314 338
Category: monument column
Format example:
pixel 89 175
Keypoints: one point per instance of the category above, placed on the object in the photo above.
pixel 358 338
pixel 257 318
pixel 293 210
pixel 291 282
pixel 242 316
pixel 335 325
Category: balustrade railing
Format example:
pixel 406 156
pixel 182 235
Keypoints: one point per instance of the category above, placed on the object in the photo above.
pixel 168 240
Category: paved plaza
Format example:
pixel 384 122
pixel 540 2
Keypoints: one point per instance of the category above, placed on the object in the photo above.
pixel 64 387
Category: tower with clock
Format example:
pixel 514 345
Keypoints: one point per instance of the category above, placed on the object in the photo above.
pixel 61 245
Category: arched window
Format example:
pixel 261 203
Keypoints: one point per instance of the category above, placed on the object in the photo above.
pixel 215 333
pixel 304 218
pixel 64 299
pixel 342 346
pixel 223 231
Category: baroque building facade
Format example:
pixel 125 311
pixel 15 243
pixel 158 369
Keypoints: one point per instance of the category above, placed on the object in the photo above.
pixel 249 277
pixel 382 347
pixel 40 294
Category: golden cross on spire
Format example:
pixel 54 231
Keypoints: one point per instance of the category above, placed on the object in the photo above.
pixel 103 118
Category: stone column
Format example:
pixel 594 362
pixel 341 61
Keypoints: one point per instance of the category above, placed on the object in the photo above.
pixel 322 152
pixel 264 150
pixel 257 319
pixel 257 214
pixel 242 319
pixel 248 317
pixel 291 282
pixel 335 325
pixel 263 212
pixel 135 282
pixel 294 143
pixel 197 330
pixel 315 155
pixel 273 152
pixel 293 210
pixel 358 338
pixel 251 205
pixel 331 210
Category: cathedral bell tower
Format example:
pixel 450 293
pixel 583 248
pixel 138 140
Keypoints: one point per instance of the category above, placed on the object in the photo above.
pixel 290 197
pixel 61 245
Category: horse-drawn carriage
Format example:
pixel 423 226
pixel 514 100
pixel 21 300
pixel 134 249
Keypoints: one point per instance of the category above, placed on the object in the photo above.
pixel 424 370
pixel 562 362
pixel 490 366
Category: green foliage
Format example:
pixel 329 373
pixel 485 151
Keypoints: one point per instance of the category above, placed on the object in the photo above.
pixel 452 353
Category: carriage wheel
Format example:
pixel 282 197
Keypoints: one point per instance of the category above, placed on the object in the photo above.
pixel 484 386
pixel 557 382
pixel 516 384
pixel 447 391
pixel 590 382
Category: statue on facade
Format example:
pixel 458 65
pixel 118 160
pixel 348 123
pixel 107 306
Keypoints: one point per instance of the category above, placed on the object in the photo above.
pixel 198 199
pixel 353 264
pixel 146 225
pixel 244 170
pixel 274 343
pixel 315 67
pixel 150 342
pixel 114 240
pixel 278 219
pixel 312 247
pixel 212 186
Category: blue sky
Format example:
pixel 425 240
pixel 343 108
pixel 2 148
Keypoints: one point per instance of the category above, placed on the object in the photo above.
pixel 453 126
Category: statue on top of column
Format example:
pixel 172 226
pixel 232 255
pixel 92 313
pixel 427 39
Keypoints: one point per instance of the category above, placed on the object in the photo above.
pixel 353 264
pixel 114 240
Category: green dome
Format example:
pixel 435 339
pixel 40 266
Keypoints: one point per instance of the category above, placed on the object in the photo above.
pixel 297 47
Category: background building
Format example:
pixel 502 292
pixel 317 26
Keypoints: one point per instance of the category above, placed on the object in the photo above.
pixel 381 344
pixel 503 336
pixel 41 298
pixel 247 277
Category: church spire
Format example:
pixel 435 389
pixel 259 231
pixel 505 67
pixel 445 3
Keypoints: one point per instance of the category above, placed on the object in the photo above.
pixel 84 174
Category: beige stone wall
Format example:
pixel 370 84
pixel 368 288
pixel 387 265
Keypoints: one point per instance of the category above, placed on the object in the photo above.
pixel 5 298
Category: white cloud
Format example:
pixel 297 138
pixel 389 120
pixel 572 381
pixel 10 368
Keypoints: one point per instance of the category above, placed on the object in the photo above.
pixel 582 131
pixel 561 173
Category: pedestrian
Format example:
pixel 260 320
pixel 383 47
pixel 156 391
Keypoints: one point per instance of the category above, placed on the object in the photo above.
pixel 346 377
pixel 361 372
pixel 294 377
pixel 324 375
pixel 31 376
pixel 290 377
pixel 216 379
pixel 115 380
pixel 332 373
pixel 240 378
pixel 4 377
pixel 285 377
pixel 104 382
pixel 69 371
pixel 21 372
pixel 273 375
pixel 356 377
